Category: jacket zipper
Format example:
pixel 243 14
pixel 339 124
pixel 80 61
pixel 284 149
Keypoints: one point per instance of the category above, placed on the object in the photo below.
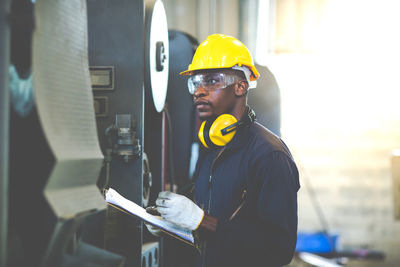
pixel 209 199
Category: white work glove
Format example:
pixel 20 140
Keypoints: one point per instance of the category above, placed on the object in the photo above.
pixel 179 210
pixel 153 230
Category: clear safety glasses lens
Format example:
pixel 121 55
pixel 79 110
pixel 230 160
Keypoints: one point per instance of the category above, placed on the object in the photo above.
pixel 210 81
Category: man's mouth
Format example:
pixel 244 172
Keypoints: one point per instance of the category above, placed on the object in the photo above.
pixel 201 105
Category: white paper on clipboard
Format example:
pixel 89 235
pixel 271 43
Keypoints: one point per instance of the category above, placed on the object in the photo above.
pixel 115 199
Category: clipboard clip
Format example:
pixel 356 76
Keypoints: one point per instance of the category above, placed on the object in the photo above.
pixel 153 210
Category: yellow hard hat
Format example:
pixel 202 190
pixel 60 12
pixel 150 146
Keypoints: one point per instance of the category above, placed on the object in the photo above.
pixel 220 51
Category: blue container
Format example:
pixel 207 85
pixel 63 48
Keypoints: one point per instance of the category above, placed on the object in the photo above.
pixel 316 242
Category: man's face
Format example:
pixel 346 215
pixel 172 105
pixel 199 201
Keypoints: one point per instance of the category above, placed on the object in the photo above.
pixel 213 93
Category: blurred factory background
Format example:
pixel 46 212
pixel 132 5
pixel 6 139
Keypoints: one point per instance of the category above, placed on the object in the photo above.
pixel 90 97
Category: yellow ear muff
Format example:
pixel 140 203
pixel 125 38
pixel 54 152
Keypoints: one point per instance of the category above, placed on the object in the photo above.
pixel 210 132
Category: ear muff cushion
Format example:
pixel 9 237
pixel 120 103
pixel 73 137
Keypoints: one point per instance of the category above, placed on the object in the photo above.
pixel 201 134
pixel 204 134
pixel 220 123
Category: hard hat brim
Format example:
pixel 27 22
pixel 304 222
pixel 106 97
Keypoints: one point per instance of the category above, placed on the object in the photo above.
pixel 254 72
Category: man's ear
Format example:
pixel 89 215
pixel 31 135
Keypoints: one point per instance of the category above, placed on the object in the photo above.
pixel 241 88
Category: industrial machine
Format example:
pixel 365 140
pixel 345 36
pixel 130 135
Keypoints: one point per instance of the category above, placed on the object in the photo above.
pixel 88 102
pixel 125 80
pixel 54 156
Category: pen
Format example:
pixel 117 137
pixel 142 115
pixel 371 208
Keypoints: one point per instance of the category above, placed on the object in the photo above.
pixel 240 206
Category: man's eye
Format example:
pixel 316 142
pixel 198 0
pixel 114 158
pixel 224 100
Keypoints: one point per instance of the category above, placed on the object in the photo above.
pixel 212 81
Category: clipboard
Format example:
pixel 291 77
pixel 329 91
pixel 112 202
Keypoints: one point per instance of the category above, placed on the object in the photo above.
pixel 114 199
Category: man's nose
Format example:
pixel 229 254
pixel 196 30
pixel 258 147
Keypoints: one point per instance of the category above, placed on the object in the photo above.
pixel 200 92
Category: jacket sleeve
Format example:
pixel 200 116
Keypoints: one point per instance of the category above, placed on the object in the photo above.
pixel 265 229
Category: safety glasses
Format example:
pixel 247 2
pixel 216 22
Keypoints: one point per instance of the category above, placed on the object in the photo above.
pixel 211 81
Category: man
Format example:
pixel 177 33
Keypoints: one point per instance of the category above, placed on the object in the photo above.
pixel 244 210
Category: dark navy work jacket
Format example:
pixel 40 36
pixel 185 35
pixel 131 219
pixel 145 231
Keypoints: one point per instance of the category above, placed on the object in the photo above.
pixel 257 170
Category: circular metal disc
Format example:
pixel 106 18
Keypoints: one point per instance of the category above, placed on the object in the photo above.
pixel 159 55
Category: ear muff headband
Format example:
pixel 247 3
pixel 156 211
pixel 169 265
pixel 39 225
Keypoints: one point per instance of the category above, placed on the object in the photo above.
pixel 251 116
pixel 230 128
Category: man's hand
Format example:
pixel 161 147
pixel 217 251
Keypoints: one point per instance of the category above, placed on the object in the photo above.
pixel 179 210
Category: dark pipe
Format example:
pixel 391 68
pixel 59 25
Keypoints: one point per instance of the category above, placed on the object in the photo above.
pixel 4 126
